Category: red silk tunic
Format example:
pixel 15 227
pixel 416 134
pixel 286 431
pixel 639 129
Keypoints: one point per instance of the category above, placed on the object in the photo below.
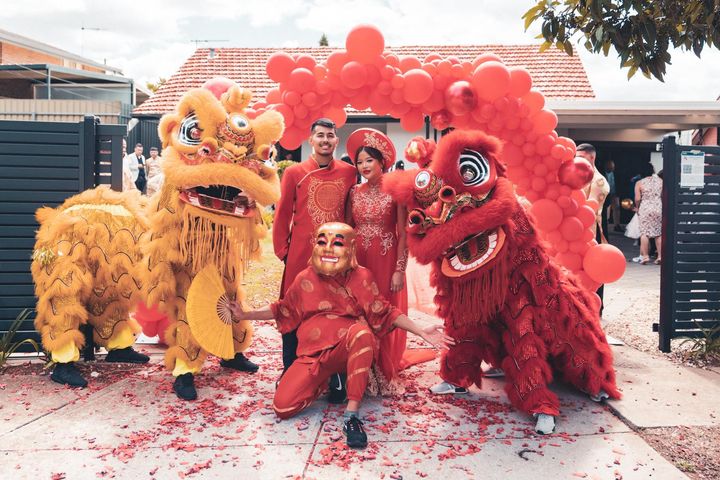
pixel 309 197
pixel 323 308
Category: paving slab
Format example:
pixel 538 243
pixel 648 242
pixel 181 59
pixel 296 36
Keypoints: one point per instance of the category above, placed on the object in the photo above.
pixel 24 398
pixel 611 456
pixel 659 393
pixel 141 410
pixel 219 461
pixel 482 414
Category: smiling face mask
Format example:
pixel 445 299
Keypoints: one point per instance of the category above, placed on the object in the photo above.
pixel 334 250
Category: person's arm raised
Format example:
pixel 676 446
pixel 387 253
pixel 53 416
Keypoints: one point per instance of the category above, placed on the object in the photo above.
pixel 238 313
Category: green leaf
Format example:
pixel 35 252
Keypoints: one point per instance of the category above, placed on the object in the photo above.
pixel 568 47
pixel 606 47
pixel 545 45
pixel 632 71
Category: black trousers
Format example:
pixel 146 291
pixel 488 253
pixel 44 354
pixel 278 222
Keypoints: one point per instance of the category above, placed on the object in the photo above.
pixel 289 349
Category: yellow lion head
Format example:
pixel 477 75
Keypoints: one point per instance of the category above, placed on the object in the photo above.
pixel 216 156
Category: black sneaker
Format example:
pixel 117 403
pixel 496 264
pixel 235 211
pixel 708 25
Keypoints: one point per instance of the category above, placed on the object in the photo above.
pixel 337 393
pixel 126 355
pixel 67 374
pixel 355 433
pixel 240 363
pixel 184 387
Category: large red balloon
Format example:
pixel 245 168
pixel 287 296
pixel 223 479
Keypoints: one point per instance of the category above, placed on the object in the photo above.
pixel 534 101
pixel 293 138
pixel 571 229
pixel 273 96
pixel 460 98
pixel 586 215
pixel 548 215
pixel 576 173
pixel 301 80
pixel 491 80
pixel 353 74
pixel 336 61
pixel 409 63
pixel 545 122
pixel 520 82
pixel 418 86
pixel 286 112
pixel 570 260
pixel 412 121
pixel 337 115
pixel 604 263
pixel 364 43
pixel 279 66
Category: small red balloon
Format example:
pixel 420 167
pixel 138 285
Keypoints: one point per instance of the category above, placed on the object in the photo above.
pixel 440 120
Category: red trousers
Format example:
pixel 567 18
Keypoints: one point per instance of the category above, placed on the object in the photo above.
pixel 308 376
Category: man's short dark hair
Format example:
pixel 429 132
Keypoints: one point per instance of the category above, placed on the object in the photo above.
pixel 153 149
pixel 586 147
pixel 138 145
pixel 322 122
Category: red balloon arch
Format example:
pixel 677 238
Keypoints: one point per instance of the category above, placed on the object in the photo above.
pixel 484 94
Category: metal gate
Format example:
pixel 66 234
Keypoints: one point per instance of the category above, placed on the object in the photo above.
pixel 690 273
pixel 42 164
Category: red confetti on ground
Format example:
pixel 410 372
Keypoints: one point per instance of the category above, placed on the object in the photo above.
pixel 195 469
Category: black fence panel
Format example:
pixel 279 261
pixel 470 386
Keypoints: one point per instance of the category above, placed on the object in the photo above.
pixel 42 164
pixel 145 132
pixel 690 273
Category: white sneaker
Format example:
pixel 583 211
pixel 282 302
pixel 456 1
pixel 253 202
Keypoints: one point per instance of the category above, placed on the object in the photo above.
pixel 445 388
pixel 545 423
pixel 637 259
pixel 602 395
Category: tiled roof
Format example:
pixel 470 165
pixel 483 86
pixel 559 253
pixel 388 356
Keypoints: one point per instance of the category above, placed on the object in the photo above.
pixel 555 74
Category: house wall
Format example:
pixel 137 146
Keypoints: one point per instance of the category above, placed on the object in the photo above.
pixel 61 110
pixel 14 54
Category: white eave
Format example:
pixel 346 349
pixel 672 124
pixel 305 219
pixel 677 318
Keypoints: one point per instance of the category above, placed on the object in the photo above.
pixel 646 115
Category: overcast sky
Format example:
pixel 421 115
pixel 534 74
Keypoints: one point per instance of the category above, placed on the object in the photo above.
pixel 151 38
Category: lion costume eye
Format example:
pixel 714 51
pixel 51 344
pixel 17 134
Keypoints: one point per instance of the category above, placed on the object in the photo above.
pixel 239 123
pixel 422 179
pixel 473 167
pixel 190 131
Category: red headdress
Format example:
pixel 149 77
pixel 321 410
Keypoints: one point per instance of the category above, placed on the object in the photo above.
pixel 369 137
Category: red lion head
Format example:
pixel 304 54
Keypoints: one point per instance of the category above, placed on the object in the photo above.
pixel 457 205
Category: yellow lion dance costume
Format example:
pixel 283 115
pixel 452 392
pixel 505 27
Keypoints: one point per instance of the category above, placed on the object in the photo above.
pixel 205 222
pixel 84 269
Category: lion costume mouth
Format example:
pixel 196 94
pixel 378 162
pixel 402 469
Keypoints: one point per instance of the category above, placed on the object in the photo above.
pixel 473 253
pixel 220 199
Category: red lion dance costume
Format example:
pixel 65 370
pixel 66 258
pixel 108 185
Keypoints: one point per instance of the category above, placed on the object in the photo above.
pixel 500 296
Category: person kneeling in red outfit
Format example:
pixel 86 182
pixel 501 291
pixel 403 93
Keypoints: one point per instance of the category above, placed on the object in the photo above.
pixel 340 315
